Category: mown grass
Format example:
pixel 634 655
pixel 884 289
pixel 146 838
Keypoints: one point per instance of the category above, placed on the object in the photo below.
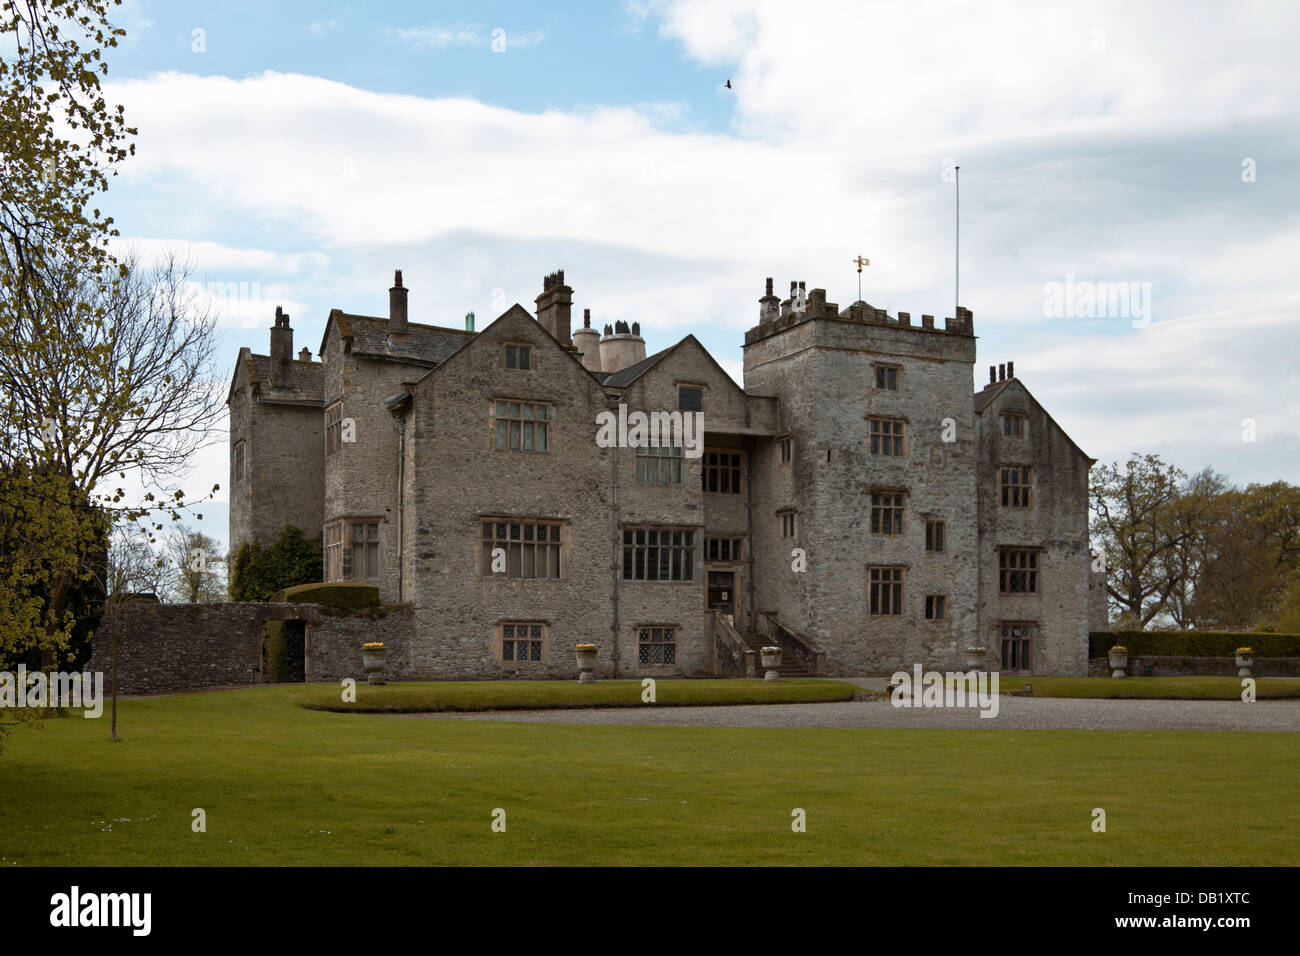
pixel 285 785
pixel 433 697
pixel 1153 688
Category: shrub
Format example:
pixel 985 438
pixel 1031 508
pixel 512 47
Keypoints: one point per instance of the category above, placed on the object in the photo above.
pixel 1192 643
pixel 256 573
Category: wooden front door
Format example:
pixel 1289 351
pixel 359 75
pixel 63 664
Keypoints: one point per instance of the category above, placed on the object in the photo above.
pixel 722 591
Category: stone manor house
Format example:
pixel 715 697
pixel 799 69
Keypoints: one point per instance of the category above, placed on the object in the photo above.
pixel 858 502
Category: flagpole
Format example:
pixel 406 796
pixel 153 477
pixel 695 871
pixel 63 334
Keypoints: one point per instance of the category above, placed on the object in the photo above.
pixel 956 259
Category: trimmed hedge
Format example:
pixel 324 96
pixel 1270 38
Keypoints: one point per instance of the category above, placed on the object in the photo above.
pixel 1192 643
pixel 284 652
pixel 338 596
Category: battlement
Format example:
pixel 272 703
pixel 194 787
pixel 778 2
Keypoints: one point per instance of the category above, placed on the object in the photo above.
pixel 802 306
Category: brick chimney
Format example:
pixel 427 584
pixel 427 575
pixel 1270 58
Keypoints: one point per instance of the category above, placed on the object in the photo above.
pixel 554 306
pixel 397 305
pixel 281 348
pixel 304 354
pixel 1011 370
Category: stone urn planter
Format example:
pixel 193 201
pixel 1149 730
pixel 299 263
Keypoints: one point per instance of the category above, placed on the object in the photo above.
pixel 1245 661
pixel 374 658
pixel 771 663
pixel 586 654
pixel 1118 657
pixel 976 658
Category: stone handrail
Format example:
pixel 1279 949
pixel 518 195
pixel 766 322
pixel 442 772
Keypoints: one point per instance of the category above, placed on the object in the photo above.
pixel 732 656
pixel 794 646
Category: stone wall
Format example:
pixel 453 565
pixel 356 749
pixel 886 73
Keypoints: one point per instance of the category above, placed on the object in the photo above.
pixel 334 645
pixel 171 647
pixel 1177 666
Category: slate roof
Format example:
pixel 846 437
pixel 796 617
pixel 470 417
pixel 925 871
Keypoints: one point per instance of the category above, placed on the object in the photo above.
pixel 626 376
pixel 306 380
pixel 986 395
pixel 429 344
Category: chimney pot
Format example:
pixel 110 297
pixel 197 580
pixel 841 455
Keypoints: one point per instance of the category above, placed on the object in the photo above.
pixel 769 286
pixel 1011 370
pixel 1002 372
pixel 636 328
pixel 993 375
pixel 586 318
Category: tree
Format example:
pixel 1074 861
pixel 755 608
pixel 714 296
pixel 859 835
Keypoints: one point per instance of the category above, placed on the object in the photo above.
pixel 59 142
pixel 1190 518
pixel 1133 509
pixel 257 573
pixel 195 570
pixel 134 567
pixel 1253 556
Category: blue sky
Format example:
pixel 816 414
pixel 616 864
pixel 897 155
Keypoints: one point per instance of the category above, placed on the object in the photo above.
pixel 298 153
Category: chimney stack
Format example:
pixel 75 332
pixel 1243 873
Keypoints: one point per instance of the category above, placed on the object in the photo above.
pixel 1011 370
pixel 993 375
pixel 769 307
pixel 587 341
pixel 622 348
pixel 554 306
pixel 281 348
pixel 397 305
pixel 1002 373
pixel 304 355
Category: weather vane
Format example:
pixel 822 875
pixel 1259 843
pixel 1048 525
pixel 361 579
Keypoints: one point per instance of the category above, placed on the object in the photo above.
pixel 861 262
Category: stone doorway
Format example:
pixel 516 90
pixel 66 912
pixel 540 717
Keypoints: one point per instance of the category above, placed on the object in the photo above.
pixel 722 592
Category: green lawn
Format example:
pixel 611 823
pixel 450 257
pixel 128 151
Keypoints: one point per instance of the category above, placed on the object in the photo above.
pixel 1163 688
pixel 284 785
pixel 542 695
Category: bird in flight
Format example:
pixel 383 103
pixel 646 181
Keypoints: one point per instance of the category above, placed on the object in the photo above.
pixel 728 84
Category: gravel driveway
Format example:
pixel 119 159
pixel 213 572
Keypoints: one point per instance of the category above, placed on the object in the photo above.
pixel 1015 713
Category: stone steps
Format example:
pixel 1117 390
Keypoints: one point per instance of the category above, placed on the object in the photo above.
pixel 788 668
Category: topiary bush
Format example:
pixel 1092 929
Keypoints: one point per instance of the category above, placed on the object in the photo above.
pixel 1192 644
pixel 337 596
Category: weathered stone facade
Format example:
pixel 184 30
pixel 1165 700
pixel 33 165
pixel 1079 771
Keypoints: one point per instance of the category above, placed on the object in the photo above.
pixel 416 450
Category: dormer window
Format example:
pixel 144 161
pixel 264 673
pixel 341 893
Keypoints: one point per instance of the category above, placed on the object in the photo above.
pixel 519 357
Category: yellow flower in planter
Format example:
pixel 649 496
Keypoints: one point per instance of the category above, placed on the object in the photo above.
pixel 1245 650
pixel 586 647
pixel 373 646
pixel 1119 647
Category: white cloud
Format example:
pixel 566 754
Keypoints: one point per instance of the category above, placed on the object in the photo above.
pixel 1119 165
pixel 321 27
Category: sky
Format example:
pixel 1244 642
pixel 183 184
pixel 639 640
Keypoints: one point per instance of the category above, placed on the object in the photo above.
pixel 1130 204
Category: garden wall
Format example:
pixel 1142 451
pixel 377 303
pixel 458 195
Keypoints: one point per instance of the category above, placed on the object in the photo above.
pixel 1175 666
pixel 163 648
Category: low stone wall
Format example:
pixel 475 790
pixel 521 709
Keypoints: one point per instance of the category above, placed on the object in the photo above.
pixel 334 645
pixel 1174 666
pixel 170 647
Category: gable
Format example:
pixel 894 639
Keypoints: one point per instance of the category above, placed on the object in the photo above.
pixel 515 324
pixel 1012 396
